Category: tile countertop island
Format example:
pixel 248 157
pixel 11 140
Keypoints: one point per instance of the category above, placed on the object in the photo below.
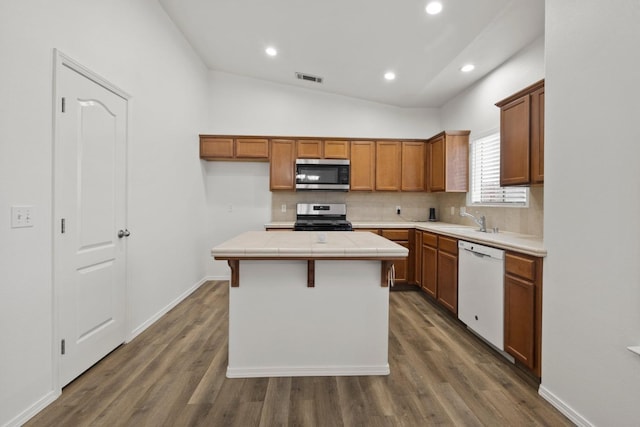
pixel 524 243
pixel 296 308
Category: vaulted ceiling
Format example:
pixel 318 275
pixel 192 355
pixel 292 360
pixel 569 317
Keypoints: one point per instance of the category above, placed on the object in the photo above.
pixel 351 44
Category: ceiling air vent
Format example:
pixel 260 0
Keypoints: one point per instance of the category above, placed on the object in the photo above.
pixel 309 77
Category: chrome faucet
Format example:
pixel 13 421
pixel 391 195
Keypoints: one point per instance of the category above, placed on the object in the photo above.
pixel 482 221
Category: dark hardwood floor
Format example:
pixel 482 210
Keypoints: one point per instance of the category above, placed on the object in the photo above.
pixel 173 374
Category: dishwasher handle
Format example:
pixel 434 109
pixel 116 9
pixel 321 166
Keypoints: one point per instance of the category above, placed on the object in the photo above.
pixel 478 254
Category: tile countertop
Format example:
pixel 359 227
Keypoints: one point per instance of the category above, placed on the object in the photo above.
pixel 524 243
pixel 308 244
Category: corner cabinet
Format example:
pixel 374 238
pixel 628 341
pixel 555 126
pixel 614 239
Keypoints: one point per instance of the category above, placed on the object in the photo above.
pixel 522 137
pixel 413 166
pixel 449 162
pixel 523 309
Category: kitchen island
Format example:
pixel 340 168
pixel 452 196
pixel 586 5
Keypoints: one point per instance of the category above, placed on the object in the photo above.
pixel 308 303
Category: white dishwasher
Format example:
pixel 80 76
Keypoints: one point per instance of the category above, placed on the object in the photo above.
pixel 481 291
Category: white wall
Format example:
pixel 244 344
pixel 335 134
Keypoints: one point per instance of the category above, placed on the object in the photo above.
pixel 475 109
pixel 135 46
pixel 592 211
pixel 247 106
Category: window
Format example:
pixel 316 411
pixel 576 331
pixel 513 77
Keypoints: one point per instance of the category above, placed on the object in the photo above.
pixel 485 176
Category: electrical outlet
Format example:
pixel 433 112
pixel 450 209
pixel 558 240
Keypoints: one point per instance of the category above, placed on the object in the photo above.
pixel 398 210
pixel 453 210
pixel 21 216
pixel 463 210
pixel 283 208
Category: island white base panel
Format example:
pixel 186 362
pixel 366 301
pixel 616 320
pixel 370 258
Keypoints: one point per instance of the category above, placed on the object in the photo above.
pixel 280 327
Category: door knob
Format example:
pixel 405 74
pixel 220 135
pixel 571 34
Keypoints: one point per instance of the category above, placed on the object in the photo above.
pixel 124 233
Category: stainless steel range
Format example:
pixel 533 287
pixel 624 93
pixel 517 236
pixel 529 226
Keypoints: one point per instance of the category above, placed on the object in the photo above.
pixel 322 217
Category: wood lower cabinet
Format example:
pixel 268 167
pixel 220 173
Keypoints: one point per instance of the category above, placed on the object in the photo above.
pixel 416 242
pixel 447 294
pixel 388 165
pixel 402 267
pixel 363 158
pixel 522 136
pixel 281 171
pixel 448 168
pixel 523 309
pixel 430 264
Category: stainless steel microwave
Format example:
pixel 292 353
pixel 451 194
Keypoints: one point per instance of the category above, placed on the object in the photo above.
pixel 322 175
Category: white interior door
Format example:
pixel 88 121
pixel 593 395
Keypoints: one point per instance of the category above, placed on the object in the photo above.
pixel 89 211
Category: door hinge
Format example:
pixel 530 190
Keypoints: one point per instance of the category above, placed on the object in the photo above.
pixel 64 104
pixel 63 225
pixel 62 347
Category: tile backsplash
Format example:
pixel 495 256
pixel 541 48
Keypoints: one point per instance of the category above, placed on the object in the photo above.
pixel 381 206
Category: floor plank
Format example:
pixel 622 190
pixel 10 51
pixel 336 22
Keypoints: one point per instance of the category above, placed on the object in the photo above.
pixel 173 374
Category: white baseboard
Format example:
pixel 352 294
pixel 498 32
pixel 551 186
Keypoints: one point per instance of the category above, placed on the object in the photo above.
pixel 225 277
pixel 137 331
pixel 307 371
pixel 32 410
pixel 566 410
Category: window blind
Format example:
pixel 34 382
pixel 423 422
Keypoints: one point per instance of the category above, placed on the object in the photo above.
pixel 485 175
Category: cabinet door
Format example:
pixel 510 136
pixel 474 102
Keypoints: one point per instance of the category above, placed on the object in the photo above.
pixel 448 281
pixel 519 318
pixel 363 157
pixel 216 148
pixel 437 165
pixel 402 267
pixel 413 162
pixel 252 148
pixel 514 142
pixel 309 149
pixel 282 164
pixel 417 258
pixel 388 165
pixel 336 149
pixel 537 136
pixel 430 270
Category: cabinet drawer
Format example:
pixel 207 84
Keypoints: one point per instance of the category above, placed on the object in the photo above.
pixel 396 234
pixel 520 265
pixel 429 239
pixel 446 244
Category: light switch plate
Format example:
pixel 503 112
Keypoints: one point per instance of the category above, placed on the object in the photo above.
pixel 21 216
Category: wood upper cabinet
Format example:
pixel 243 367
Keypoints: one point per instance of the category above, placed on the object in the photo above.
pixel 322 149
pixel 447 294
pixel 448 168
pixel 281 171
pixel 430 264
pixel 388 165
pixel 523 309
pixel 252 148
pixel 363 157
pixel 229 148
pixel 413 166
pixel 522 136
pixel 309 149
pixel 336 149
pixel 216 148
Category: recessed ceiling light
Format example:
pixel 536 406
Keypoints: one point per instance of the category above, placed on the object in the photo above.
pixel 434 8
pixel 390 75
pixel 467 67
pixel 271 51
